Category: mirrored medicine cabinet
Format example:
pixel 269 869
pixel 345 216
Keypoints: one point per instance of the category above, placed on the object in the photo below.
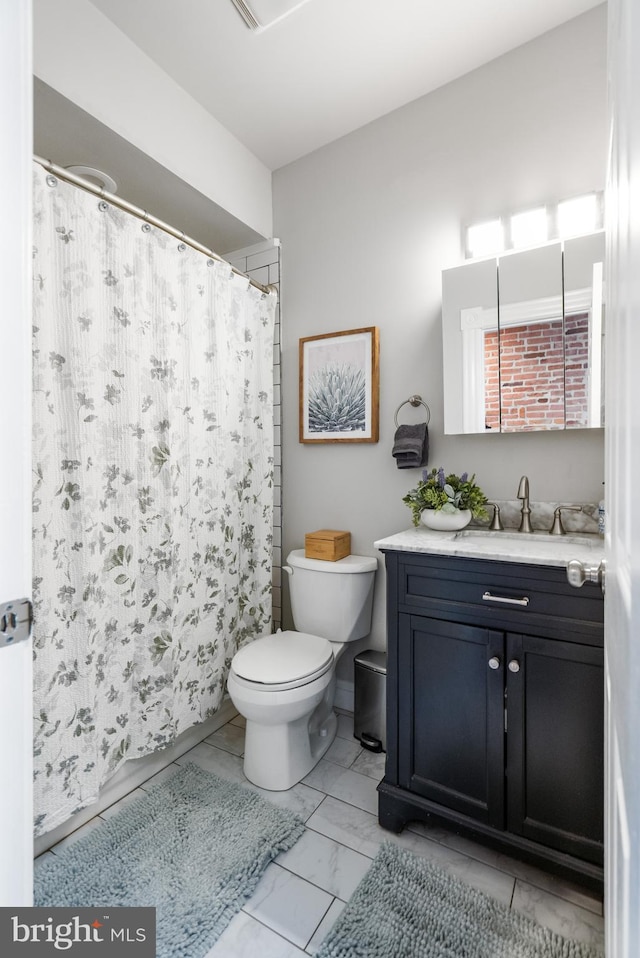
pixel 523 340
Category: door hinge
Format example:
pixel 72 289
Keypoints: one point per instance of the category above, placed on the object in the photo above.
pixel 15 621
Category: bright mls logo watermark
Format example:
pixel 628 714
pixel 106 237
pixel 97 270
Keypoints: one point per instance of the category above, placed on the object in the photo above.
pixel 101 931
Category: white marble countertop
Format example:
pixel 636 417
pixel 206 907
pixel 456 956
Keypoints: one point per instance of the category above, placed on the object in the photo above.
pixel 536 548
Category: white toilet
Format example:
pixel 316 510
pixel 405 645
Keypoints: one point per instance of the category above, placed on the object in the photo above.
pixel 284 684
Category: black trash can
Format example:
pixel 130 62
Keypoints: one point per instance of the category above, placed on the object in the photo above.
pixel 370 702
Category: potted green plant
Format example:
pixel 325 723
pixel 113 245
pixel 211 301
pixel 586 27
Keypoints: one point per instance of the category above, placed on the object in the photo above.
pixel 446 502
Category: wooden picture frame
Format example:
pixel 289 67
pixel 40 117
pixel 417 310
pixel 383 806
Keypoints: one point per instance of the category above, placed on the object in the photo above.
pixel 340 386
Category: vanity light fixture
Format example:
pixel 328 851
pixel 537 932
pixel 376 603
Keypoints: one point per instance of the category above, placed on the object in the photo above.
pixel 529 228
pixel 484 239
pixel 579 215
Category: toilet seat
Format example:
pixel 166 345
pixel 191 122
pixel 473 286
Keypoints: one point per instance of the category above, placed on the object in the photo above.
pixel 284 660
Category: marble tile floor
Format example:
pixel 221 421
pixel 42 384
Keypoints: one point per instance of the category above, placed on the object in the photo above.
pixel 304 890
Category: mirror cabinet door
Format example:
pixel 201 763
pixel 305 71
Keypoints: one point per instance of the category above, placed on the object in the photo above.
pixel 531 340
pixel 523 340
pixel 584 330
pixel 470 348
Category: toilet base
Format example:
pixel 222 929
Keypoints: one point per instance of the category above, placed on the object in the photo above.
pixel 277 757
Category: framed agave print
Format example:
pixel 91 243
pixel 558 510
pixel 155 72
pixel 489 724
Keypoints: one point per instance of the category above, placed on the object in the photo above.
pixel 339 386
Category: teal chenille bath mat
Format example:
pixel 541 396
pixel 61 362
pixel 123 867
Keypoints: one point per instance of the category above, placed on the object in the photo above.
pixel 406 907
pixel 195 847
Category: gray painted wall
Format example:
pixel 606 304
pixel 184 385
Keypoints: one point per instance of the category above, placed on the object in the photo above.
pixel 368 223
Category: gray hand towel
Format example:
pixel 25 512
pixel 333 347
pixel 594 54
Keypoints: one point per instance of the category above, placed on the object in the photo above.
pixel 411 446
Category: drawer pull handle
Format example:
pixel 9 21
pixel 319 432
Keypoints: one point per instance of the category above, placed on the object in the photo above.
pixel 487 597
pixel 494 662
pixel 514 665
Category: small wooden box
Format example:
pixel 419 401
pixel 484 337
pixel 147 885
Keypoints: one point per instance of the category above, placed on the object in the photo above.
pixel 329 544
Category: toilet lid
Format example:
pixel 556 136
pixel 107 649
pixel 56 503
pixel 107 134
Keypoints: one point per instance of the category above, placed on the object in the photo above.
pixel 283 657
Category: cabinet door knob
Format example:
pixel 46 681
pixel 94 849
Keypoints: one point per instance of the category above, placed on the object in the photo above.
pixel 514 665
pixel 494 662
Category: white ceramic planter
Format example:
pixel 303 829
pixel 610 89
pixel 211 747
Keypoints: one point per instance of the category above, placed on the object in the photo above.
pixel 445 521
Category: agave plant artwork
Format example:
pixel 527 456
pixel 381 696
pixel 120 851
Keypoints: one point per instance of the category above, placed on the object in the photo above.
pixel 337 399
pixel 446 494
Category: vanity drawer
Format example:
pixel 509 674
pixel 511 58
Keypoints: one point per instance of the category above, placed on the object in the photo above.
pixel 503 594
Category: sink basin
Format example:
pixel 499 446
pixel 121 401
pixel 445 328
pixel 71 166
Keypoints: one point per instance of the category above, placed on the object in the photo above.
pixel 583 540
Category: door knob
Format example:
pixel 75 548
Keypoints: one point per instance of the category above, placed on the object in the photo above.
pixel 514 665
pixel 579 572
pixel 494 662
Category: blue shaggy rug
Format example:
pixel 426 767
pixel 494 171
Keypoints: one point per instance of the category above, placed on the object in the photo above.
pixel 406 906
pixel 195 847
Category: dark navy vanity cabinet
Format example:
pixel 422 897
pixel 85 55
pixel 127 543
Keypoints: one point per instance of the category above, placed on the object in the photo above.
pixel 495 707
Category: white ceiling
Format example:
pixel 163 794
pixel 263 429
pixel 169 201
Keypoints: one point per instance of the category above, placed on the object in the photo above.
pixel 64 133
pixel 328 67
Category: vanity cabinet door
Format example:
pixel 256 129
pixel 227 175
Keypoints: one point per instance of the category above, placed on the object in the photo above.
pixel 555 744
pixel 451 713
pixel 495 710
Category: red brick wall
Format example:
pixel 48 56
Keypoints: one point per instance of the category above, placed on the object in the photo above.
pixel 576 357
pixel 491 380
pixel 537 370
pixel 532 377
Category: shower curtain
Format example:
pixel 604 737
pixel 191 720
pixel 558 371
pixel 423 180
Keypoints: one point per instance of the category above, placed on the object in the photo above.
pixel 153 462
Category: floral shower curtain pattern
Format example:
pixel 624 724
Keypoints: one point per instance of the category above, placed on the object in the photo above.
pixel 153 463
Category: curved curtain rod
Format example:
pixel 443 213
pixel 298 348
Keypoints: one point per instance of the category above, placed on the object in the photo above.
pixel 114 200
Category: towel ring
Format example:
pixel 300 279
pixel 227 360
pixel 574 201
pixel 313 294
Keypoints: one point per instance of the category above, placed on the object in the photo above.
pixel 414 401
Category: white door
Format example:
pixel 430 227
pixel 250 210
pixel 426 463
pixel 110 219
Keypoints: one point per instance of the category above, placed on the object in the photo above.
pixel 622 475
pixel 16 735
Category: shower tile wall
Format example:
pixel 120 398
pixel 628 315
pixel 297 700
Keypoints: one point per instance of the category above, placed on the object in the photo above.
pixel 262 263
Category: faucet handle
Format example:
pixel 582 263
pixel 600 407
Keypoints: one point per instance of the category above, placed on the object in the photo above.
pixel 496 522
pixel 557 529
pixel 523 488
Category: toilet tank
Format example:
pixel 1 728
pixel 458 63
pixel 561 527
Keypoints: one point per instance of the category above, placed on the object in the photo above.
pixel 332 599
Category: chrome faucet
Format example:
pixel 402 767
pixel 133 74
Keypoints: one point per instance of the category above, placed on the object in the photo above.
pixel 557 529
pixel 496 522
pixel 523 493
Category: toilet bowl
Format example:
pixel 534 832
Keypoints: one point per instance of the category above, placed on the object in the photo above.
pixel 284 684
